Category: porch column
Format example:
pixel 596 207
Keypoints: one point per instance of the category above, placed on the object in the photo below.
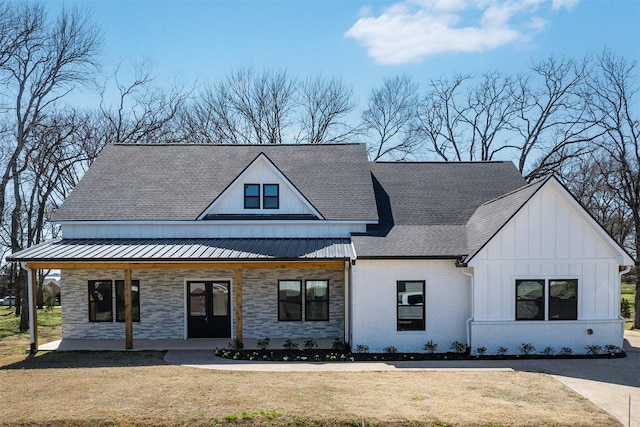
pixel 238 304
pixel 128 317
pixel 33 310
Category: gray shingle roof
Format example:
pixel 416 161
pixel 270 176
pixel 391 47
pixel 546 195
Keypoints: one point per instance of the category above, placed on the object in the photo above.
pixel 424 207
pixel 178 182
pixel 186 250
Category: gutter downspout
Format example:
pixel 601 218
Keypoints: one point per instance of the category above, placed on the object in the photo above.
pixel 466 272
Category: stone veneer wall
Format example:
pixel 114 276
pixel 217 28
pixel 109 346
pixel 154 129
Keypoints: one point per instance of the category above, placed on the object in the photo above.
pixel 162 304
pixel 260 305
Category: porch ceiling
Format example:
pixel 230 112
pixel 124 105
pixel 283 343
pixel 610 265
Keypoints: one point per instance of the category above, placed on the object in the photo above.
pixel 186 250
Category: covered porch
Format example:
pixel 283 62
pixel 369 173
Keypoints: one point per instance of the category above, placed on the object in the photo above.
pixel 239 256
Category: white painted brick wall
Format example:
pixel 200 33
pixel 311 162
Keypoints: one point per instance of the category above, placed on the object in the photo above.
pixel 447 304
pixel 556 334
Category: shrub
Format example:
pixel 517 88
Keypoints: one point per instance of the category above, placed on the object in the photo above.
pixel 361 348
pixel 625 308
pixel 527 348
pixel 310 345
pixel 263 344
pixel 339 345
pixel 612 349
pixel 566 351
pixel 290 345
pixel 548 351
pixel 431 347
pixel 49 302
pixel 481 351
pixel 458 347
pixel 593 349
pixel 502 351
pixel 390 349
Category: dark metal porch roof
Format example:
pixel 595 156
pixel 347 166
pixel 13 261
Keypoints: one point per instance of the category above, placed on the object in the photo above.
pixel 66 250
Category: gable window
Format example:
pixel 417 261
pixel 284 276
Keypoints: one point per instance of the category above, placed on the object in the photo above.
pixel 270 196
pixel 317 300
pixel 100 302
pixel 135 300
pixel 410 295
pixel 553 299
pixel 252 196
pixel 289 300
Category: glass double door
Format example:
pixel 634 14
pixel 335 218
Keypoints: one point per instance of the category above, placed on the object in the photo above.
pixel 209 309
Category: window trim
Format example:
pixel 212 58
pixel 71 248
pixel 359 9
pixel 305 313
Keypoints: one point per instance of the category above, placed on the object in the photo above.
pixel 308 301
pixel 266 198
pixel 280 319
pixel 546 295
pixel 398 305
pixel 247 197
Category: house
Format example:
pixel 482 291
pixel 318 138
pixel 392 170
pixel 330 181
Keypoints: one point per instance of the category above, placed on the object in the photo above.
pixel 314 241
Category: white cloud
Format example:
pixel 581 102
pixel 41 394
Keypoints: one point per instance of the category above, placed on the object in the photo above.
pixel 410 30
pixel 564 4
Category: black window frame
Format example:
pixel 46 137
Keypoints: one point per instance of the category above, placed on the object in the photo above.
pixel 267 200
pixel 551 308
pixel 539 303
pixel 412 325
pixel 250 200
pixel 135 301
pixel 309 301
pixel 281 301
pixel 104 301
pixel 561 304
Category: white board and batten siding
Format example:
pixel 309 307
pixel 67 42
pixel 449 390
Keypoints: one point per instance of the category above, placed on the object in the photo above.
pixel 374 311
pixel 261 172
pixel 551 237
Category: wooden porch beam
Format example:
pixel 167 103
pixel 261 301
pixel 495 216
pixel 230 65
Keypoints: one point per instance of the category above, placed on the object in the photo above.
pixel 128 316
pixel 269 265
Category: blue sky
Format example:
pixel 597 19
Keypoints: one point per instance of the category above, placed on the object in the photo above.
pixel 361 41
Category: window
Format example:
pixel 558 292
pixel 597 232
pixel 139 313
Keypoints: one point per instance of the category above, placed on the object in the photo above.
pixel 532 302
pixel 270 196
pixel 529 299
pixel 317 300
pixel 135 300
pixel 411 306
pixel 289 300
pixel 100 302
pixel 252 196
pixel 563 299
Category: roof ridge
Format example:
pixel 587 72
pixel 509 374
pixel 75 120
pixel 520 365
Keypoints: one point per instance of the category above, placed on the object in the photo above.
pixel 517 190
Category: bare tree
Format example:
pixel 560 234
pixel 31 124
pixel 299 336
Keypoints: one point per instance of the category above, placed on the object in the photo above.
pixel 141 113
pixel 390 118
pixel 325 105
pixel 614 88
pixel 47 61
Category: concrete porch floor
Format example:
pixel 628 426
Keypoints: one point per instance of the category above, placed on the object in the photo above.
pixel 162 345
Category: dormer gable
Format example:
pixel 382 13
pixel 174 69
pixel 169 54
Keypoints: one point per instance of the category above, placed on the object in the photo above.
pixel 261 190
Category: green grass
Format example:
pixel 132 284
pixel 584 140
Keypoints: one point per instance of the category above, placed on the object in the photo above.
pixel 10 323
pixel 628 292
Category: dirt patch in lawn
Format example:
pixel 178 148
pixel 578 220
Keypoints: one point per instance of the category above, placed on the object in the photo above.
pixel 139 388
